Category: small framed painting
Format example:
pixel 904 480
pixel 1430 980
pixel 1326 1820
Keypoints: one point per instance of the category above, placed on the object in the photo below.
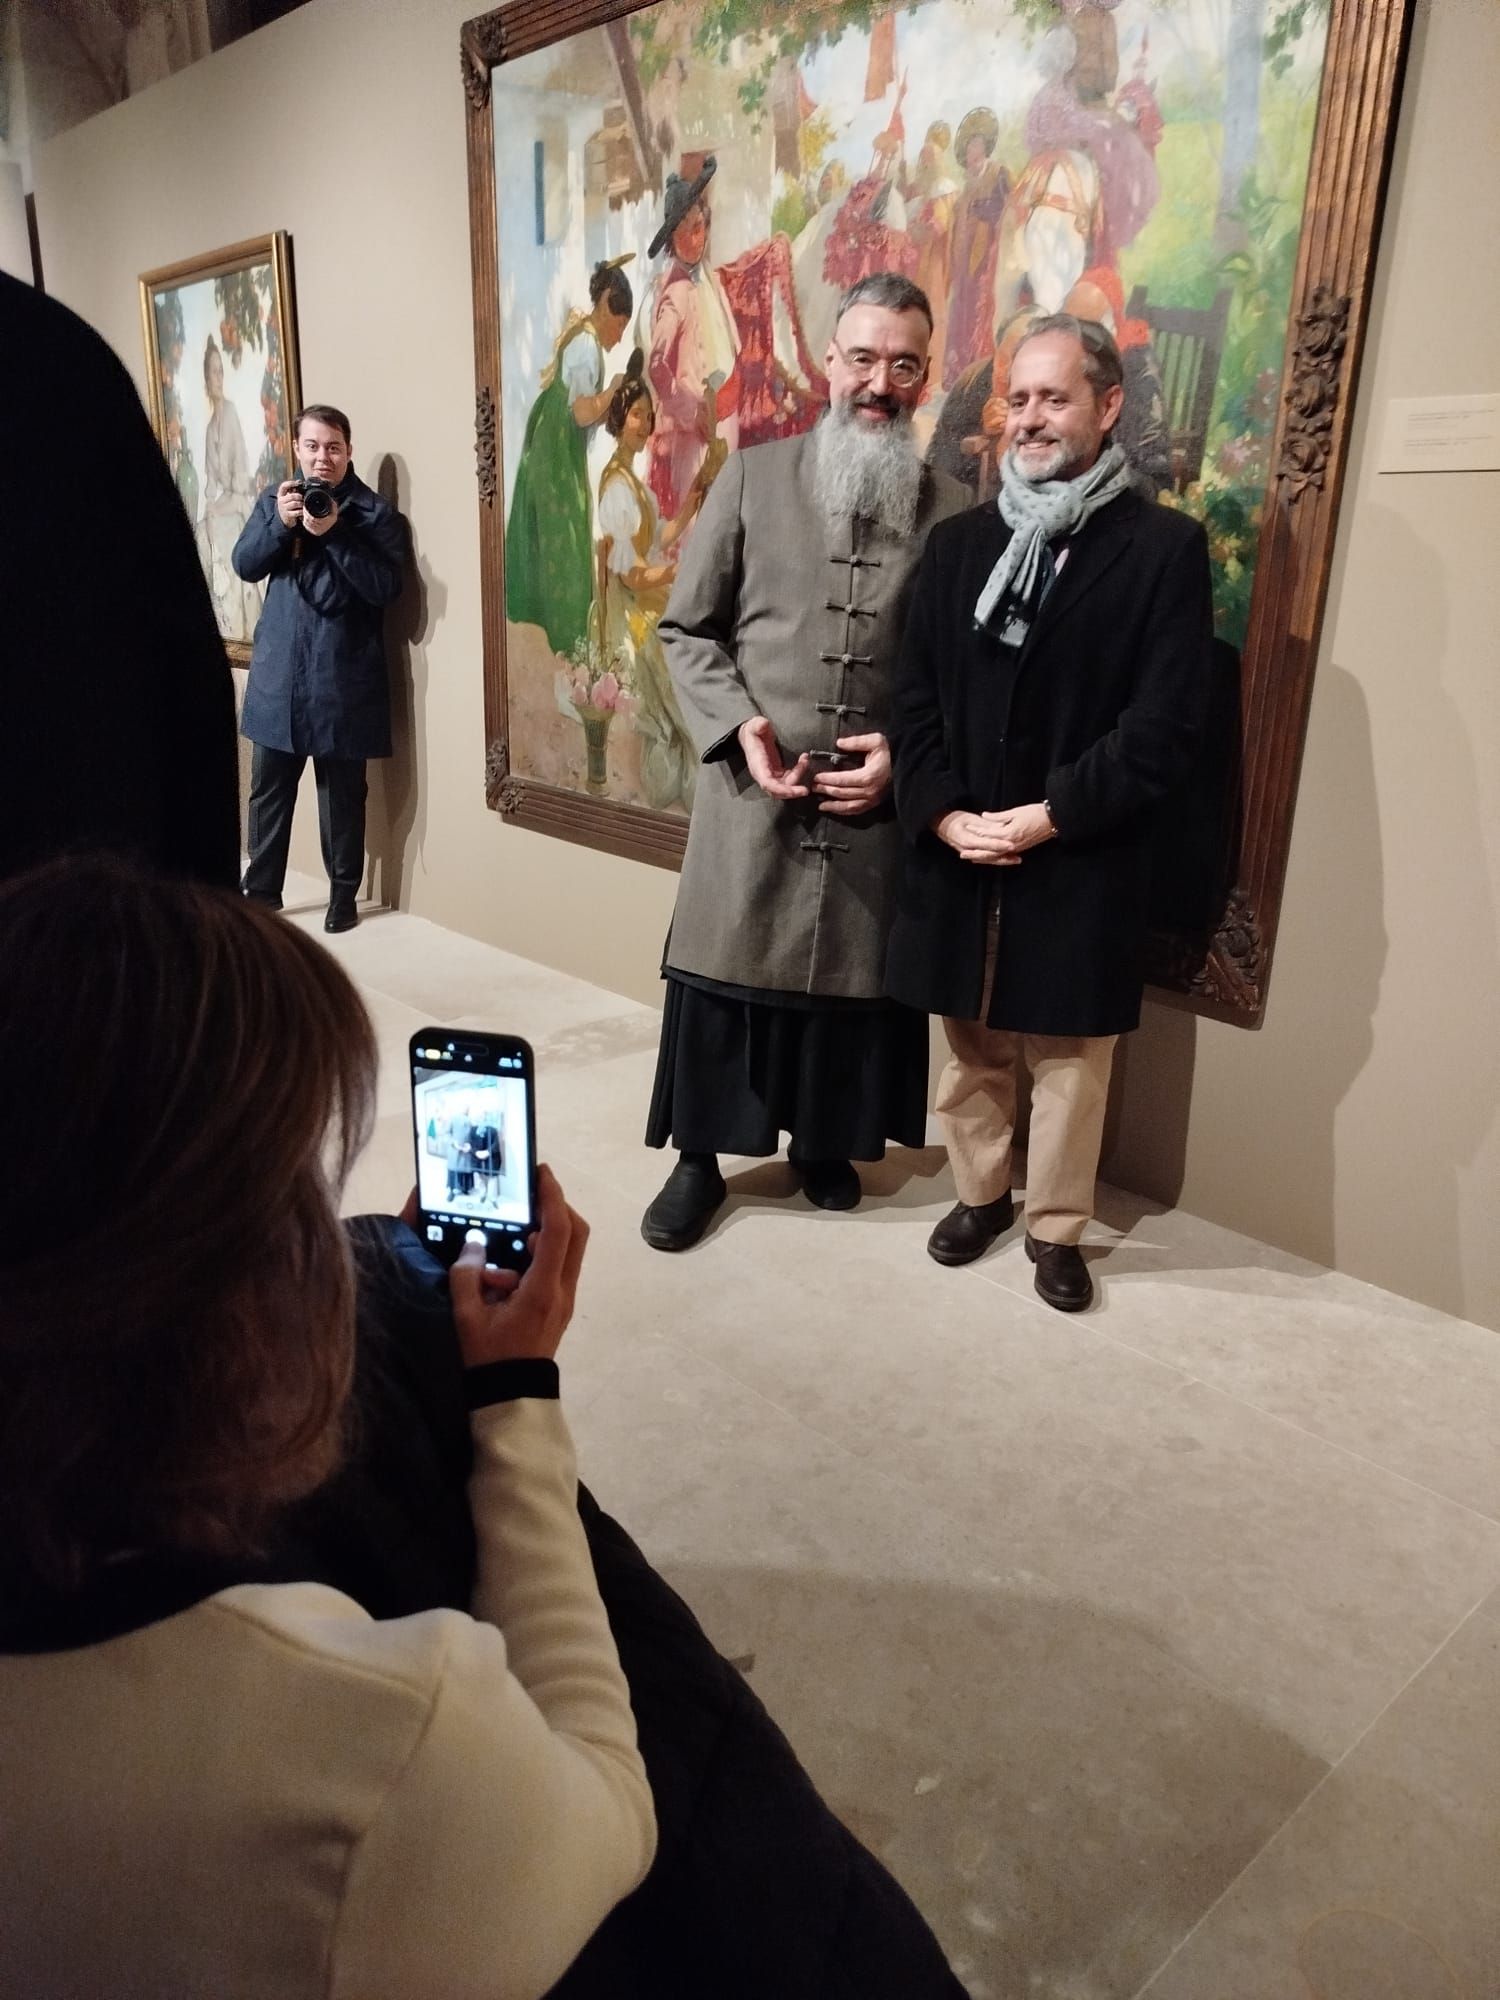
pixel 221 364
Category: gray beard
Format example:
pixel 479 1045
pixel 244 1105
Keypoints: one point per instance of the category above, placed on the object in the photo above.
pixel 875 474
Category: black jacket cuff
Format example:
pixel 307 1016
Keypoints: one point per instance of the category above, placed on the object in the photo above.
pixel 510 1381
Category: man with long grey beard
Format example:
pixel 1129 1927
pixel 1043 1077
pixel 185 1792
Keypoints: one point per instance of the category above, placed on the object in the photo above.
pixel 781 635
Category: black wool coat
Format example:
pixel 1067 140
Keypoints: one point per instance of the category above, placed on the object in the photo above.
pixel 1100 713
pixel 116 696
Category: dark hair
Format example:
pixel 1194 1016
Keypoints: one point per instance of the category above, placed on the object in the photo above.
pixel 890 290
pixel 209 351
pixel 629 393
pixel 322 413
pixel 1102 366
pixel 176 1337
pixel 610 283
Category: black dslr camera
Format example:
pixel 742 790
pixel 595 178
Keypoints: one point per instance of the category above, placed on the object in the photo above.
pixel 317 498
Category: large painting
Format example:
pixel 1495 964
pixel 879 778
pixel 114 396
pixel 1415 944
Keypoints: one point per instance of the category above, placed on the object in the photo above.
pixel 221 367
pixel 685 189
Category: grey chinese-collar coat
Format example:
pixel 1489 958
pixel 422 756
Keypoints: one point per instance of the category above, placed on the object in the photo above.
pixel 778 612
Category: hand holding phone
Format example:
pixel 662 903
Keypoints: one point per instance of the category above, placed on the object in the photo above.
pixel 503 1317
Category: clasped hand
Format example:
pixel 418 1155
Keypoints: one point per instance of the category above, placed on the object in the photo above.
pixel 845 793
pixel 995 839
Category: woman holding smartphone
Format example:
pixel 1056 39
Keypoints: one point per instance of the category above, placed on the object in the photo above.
pixel 218 1778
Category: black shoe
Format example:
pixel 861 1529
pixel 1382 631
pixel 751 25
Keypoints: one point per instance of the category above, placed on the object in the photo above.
pixel 966 1233
pixel 693 1194
pixel 1062 1277
pixel 342 915
pixel 266 902
pixel 828 1183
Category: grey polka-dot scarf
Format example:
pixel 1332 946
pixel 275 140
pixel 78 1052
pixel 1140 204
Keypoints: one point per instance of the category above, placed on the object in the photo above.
pixel 1036 514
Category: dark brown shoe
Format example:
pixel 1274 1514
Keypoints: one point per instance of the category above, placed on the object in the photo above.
pixel 1062 1277
pixel 966 1233
pixel 342 915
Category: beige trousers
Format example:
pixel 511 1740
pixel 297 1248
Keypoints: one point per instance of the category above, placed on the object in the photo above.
pixel 976 1105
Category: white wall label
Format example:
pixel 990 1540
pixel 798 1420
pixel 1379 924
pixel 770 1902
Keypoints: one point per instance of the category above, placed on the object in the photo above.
pixel 1441 434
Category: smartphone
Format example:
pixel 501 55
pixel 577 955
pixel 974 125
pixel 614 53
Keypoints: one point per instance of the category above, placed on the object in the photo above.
pixel 833 760
pixel 473 1107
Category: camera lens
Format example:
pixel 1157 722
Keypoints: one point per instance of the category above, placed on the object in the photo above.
pixel 317 500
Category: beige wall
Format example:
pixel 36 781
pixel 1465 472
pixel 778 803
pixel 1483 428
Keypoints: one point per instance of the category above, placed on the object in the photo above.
pixel 1358 1127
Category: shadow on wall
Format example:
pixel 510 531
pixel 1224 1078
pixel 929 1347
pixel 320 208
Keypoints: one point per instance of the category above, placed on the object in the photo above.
pixel 1442 1090
pixel 1339 876
pixel 1448 952
pixel 1062 1800
pixel 397 817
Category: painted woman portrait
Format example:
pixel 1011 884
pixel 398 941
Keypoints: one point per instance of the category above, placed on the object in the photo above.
pixel 228 496
pixel 548 557
pixel 637 561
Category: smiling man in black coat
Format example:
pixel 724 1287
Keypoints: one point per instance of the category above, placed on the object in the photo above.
pixel 1053 682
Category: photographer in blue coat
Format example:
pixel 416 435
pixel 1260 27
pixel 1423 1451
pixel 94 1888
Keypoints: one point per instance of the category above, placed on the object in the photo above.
pixel 333 554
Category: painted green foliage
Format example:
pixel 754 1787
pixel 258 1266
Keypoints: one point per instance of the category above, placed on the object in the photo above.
pixel 782 31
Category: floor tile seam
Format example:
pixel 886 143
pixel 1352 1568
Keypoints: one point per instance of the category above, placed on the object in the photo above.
pixel 1222 1686
pixel 717 1367
pixel 1094 1328
pixel 1100 1331
pixel 1335 1767
pixel 1346 1451
pixel 463 939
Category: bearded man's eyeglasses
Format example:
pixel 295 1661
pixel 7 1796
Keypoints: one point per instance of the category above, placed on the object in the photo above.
pixel 904 372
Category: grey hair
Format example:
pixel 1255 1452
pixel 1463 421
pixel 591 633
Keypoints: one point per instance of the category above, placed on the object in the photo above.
pixel 1102 366
pixel 889 290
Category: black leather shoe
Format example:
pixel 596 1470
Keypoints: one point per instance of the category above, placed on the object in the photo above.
pixel 342 915
pixel 266 902
pixel 693 1194
pixel 828 1183
pixel 1062 1277
pixel 966 1233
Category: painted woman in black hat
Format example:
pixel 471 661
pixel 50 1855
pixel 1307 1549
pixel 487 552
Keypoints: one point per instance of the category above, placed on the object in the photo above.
pixel 549 574
pixel 693 363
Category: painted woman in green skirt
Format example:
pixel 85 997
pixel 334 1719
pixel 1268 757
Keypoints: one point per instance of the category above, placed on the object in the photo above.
pixel 549 569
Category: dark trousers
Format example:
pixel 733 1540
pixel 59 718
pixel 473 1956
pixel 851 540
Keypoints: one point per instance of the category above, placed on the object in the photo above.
pixel 274 778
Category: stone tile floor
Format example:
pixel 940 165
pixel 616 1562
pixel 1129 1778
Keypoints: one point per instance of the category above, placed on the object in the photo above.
pixel 1156 1650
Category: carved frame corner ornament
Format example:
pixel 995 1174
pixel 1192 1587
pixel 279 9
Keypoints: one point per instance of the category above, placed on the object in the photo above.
pixel 484 445
pixel 1225 971
pixel 481 45
pixel 503 793
pixel 1232 972
pixel 1313 393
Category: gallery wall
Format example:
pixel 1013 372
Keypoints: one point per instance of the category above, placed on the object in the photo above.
pixel 1358 1127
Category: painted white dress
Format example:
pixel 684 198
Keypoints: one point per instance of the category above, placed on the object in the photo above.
pixel 228 496
pixel 628 520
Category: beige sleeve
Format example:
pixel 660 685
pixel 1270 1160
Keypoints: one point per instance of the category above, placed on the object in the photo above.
pixel 523 1814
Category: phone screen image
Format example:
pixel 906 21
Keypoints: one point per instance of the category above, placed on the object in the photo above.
pixel 474 1121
